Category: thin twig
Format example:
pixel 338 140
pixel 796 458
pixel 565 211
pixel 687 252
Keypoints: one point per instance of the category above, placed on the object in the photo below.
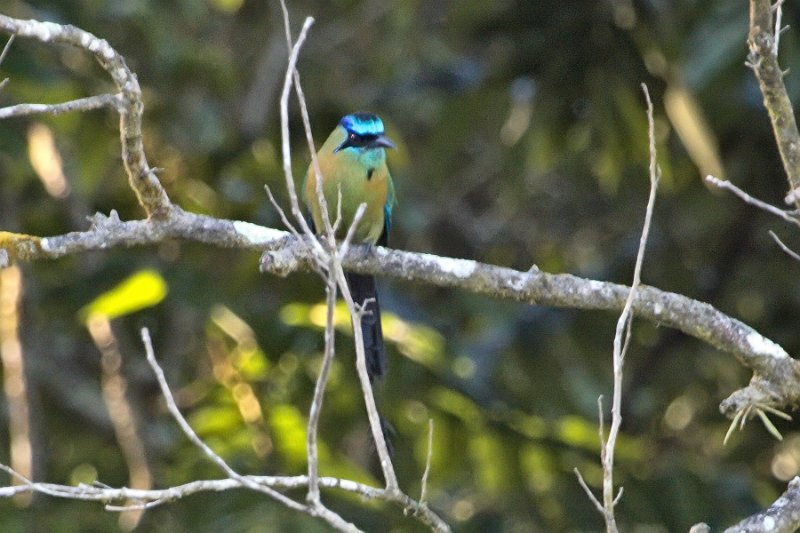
pixel 3 54
pixel 7 47
pixel 285 143
pixel 282 214
pixel 197 441
pixel 794 255
pixel 351 231
pixel 423 493
pixel 366 387
pixel 319 392
pixel 335 261
pixel 330 257
pixel 588 491
pixel 328 229
pixel 153 497
pixel 778 8
pixel 356 310
pixel 786 215
pixel 622 333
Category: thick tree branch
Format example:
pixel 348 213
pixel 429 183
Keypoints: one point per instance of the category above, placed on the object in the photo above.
pixel 776 379
pixel 763 59
pixel 780 517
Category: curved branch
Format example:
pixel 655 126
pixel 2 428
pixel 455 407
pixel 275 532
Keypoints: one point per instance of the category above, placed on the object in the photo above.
pixel 142 178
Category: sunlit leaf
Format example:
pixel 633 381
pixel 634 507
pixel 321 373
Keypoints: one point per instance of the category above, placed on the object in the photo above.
pixel 141 290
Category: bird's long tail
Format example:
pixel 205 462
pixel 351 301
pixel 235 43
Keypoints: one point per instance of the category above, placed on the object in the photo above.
pixel 362 288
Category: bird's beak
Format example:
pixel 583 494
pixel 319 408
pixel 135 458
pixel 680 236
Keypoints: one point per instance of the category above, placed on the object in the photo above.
pixel 383 141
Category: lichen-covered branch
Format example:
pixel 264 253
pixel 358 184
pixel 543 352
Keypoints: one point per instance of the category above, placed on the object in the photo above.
pixel 763 59
pixel 776 378
pixel 780 517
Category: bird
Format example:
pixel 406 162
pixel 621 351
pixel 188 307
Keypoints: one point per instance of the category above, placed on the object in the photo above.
pixel 353 160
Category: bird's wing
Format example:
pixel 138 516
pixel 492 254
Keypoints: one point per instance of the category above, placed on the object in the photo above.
pixel 391 199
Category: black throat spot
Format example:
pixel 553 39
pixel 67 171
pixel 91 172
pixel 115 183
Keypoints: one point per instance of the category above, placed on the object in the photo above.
pixel 369 173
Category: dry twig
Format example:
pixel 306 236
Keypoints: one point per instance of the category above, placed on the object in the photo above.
pixel 621 342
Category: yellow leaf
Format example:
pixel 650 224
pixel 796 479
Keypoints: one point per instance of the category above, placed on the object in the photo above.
pixel 141 290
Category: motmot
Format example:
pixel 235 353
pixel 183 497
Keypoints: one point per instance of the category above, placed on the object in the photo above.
pixel 353 161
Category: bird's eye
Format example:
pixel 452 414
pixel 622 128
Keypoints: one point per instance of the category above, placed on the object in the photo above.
pixel 355 138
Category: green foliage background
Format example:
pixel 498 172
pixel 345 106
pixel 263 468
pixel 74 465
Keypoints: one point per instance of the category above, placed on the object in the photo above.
pixel 511 388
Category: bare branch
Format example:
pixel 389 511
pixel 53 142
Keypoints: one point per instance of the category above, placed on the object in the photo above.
pixel 351 231
pixel 356 313
pixel 3 54
pixel 777 378
pixel 328 229
pixel 791 253
pixel 285 144
pixel 780 517
pixel 777 8
pixel 7 47
pixel 788 216
pixel 366 387
pixel 282 213
pixel 424 484
pixel 763 59
pixel 189 432
pixel 154 497
pixel 621 342
pixel 141 177
pixel 81 104
pixel 588 491
pixel 319 392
